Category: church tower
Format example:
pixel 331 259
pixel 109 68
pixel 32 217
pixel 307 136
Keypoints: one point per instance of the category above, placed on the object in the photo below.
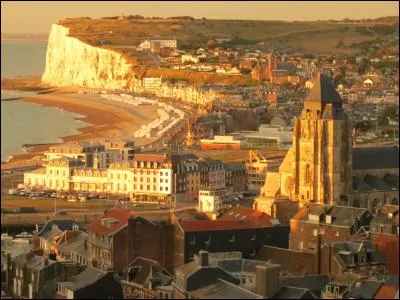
pixel 322 141
pixel 318 166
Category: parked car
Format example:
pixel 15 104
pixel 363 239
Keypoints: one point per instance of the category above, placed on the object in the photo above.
pixel 60 213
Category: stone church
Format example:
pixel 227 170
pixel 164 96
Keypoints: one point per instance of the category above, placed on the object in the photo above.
pixel 323 167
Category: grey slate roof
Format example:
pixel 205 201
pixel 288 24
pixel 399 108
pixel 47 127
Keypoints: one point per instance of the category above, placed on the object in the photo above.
pixel 224 290
pixel 287 292
pixel 61 224
pixel 360 185
pixel 323 91
pixel 88 276
pixel 375 158
pixel 32 261
pixel 235 167
pixel 392 180
pixel 366 289
pixel 48 235
pixel 76 244
pixel 314 283
pixel 142 268
pixel 376 182
pixel 241 265
pixel 341 215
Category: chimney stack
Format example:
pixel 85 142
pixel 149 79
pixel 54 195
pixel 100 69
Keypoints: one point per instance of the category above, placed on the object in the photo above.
pixel 267 280
pixel 203 258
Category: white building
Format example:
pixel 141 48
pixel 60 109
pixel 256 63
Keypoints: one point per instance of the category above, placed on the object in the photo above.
pixel 154 45
pixel 189 58
pixel 210 201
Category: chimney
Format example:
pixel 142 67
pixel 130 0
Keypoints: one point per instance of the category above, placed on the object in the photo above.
pixel 203 258
pixel 267 280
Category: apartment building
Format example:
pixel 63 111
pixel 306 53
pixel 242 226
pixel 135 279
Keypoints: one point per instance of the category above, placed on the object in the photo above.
pixel 115 150
pixel 333 224
pixel 81 151
pixel 56 174
pixel 152 177
pixel 212 175
pixel 157 45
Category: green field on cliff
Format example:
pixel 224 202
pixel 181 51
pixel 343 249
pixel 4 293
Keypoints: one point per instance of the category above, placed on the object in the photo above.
pixel 319 37
pixel 323 36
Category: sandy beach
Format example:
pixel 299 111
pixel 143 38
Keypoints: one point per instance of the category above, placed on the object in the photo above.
pixel 105 118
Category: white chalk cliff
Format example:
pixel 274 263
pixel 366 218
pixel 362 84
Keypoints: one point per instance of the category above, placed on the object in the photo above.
pixel 71 62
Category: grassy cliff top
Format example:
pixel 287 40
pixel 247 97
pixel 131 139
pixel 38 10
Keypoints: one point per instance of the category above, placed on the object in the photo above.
pixel 329 37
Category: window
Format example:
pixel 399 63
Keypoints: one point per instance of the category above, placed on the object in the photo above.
pixel 148 188
pixel 166 180
pixel 166 189
pixel 161 180
pixel 192 240
pixel 161 188
pixel 126 177
pixel 154 188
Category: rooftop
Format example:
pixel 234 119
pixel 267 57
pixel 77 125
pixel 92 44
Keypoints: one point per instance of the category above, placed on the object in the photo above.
pixel 375 158
pixel 118 220
pixel 222 289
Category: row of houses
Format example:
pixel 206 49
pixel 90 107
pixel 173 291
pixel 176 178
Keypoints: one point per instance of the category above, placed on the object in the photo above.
pixel 142 177
pixel 186 255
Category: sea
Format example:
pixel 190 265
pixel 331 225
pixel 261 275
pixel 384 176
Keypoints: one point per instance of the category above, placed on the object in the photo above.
pixel 26 123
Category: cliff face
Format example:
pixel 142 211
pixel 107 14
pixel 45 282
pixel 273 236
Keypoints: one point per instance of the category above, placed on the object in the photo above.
pixel 70 62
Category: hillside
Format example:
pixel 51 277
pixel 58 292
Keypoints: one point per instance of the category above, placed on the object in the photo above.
pixel 192 33
pixel 320 37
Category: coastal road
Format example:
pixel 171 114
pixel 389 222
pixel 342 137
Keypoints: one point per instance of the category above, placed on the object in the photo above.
pixel 84 215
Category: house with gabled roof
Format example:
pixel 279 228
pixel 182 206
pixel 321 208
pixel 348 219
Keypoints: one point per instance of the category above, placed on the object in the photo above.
pixel 107 238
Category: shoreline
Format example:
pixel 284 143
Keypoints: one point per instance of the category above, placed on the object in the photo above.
pixel 103 120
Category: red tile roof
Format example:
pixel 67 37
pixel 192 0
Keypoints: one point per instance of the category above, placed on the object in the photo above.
pixel 247 214
pixel 121 215
pixel 386 292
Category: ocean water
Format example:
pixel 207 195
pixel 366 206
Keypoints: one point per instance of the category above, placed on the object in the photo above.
pixel 27 123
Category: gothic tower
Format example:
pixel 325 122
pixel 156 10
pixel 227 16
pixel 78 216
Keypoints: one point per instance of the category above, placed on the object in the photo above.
pixel 318 166
pixel 322 143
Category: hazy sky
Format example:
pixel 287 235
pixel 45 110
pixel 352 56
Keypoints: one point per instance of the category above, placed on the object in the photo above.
pixel 37 16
